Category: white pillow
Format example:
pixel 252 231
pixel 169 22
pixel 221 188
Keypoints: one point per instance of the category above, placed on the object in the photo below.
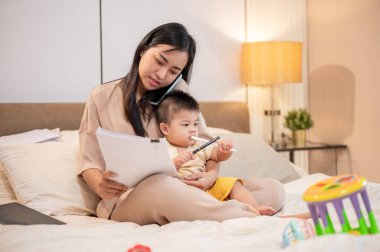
pixel 214 131
pixel 43 177
pixel 254 157
pixel 40 135
pixel 32 136
pixel 69 136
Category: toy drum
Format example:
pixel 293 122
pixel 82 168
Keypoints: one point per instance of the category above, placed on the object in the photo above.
pixel 333 191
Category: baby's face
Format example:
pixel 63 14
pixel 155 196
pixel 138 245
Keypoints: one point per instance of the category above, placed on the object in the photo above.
pixel 182 127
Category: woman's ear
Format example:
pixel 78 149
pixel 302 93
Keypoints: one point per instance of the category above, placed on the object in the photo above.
pixel 164 128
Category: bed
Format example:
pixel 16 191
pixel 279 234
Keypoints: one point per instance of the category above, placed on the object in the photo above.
pixel 42 176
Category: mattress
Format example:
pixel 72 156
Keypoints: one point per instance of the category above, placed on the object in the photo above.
pixel 264 233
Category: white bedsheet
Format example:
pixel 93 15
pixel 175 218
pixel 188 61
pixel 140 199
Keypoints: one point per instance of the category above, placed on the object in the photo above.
pixel 244 234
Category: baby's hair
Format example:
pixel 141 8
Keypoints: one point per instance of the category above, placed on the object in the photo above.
pixel 173 103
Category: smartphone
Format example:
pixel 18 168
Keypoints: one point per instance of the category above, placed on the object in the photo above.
pixel 168 90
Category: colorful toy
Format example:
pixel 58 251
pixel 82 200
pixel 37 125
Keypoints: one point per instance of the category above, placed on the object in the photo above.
pixel 139 248
pixel 334 190
pixel 297 230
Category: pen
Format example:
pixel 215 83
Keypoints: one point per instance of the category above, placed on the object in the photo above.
pixel 205 141
pixel 206 144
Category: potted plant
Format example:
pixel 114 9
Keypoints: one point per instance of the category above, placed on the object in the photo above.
pixel 298 121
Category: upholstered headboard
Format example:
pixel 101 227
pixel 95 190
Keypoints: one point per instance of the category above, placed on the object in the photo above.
pixel 21 117
pixel 233 116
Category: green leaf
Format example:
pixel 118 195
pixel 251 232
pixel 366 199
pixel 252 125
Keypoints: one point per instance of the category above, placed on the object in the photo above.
pixel 298 119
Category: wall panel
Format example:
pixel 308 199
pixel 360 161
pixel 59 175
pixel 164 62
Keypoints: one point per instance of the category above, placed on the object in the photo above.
pixel 217 26
pixel 49 50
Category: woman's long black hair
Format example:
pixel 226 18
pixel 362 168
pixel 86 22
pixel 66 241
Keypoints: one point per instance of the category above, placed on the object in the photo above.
pixel 173 34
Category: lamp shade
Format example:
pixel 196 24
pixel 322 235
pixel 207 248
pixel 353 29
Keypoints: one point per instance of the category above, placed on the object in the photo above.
pixel 271 62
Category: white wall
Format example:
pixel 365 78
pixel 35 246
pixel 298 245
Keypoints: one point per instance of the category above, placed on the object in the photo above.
pixel 344 83
pixel 49 50
pixel 217 26
pixel 283 20
pixel 278 20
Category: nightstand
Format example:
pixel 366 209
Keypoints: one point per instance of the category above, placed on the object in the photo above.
pixel 309 146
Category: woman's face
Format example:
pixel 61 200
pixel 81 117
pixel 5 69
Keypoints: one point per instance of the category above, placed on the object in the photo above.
pixel 159 67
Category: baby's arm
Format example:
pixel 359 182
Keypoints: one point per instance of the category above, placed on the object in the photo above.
pixel 182 159
pixel 222 151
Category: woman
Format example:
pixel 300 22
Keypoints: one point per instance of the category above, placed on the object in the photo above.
pixel 164 56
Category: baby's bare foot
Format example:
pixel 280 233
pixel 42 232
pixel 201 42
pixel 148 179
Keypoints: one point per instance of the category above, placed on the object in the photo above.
pixel 266 210
pixel 253 210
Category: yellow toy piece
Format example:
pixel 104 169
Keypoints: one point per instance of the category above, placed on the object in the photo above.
pixel 335 187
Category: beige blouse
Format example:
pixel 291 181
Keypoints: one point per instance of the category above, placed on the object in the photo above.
pixel 104 109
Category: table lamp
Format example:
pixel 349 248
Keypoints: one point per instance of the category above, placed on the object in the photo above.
pixel 270 63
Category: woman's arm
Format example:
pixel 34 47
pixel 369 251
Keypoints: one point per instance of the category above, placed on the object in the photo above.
pixel 204 180
pixel 91 165
pixel 102 184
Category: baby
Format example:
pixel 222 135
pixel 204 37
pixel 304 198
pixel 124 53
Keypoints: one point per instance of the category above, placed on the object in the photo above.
pixel 177 117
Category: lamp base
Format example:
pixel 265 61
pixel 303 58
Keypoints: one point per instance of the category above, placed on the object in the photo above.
pixel 272 113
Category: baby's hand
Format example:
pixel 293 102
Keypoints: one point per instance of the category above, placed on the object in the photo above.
pixel 225 146
pixel 266 210
pixel 182 158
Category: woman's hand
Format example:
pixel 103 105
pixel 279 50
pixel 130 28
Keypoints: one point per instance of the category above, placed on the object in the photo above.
pixel 204 180
pixel 108 188
pixel 101 183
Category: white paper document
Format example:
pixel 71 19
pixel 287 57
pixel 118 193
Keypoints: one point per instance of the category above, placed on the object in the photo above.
pixel 30 137
pixel 134 158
